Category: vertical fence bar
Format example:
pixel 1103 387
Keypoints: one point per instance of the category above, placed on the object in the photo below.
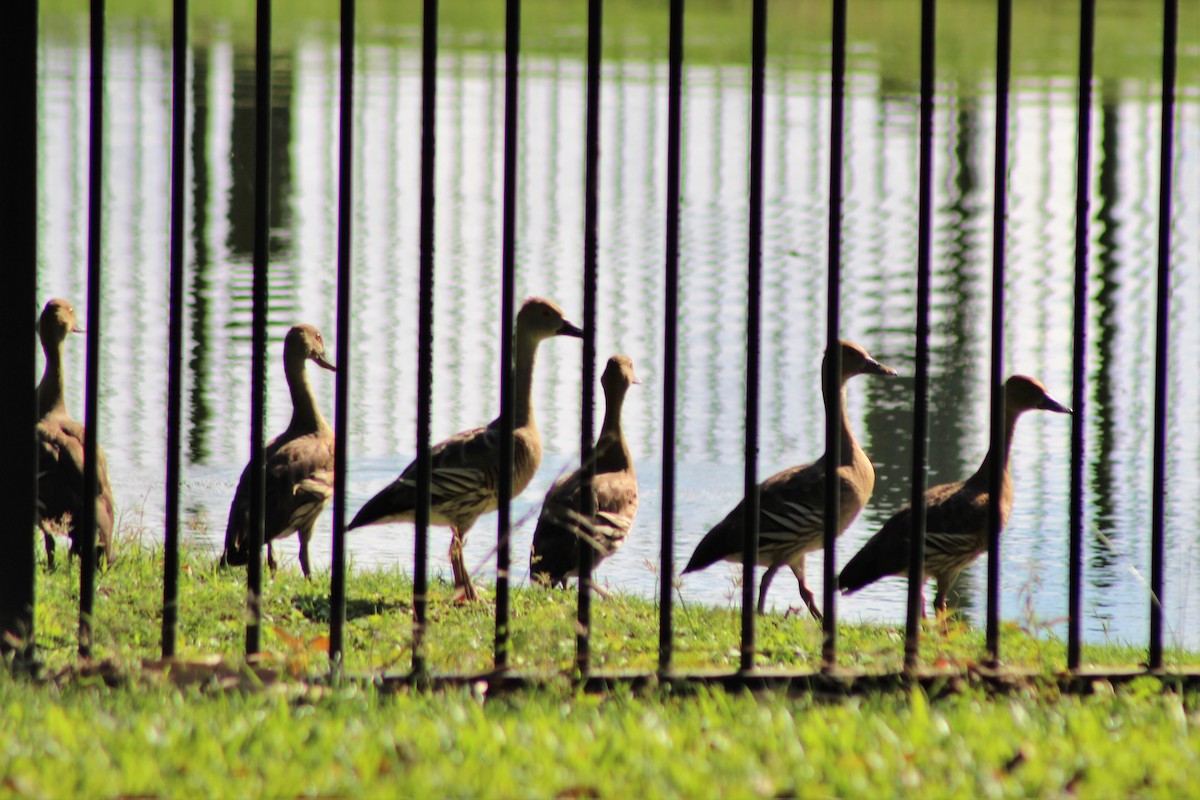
pixel 833 350
pixel 18 205
pixel 175 332
pixel 512 85
pixel 758 62
pixel 916 563
pixel 666 565
pixel 337 580
pixel 258 325
pixel 425 333
pixel 999 227
pixel 1162 339
pixel 591 213
pixel 87 525
pixel 1083 146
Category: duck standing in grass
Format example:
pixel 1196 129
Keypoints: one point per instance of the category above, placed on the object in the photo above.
pixel 466 467
pixel 60 445
pixel 555 553
pixel 299 463
pixel 792 503
pixel 956 513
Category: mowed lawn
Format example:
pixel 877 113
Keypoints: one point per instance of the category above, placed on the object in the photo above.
pixel 225 731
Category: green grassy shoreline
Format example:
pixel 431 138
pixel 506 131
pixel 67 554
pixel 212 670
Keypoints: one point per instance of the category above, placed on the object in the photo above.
pixel 159 734
pixel 459 639
pixel 884 34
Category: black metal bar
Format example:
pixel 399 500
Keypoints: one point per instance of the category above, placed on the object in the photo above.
pixel 425 333
pixel 1162 339
pixel 591 215
pixel 87 524
pixel 512 85
pixel 1083 130
pixel 833 350
pixel 175 330
pixel 18 205
pixel 999 227
pixel 341 424
pixel 666 561
pixel 258 325
pixel 916 563
pixel 758 62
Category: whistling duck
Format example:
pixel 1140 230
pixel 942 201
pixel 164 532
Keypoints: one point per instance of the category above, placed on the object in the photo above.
pixel 60 445
pixel 299 463
pixel 555 553
pixel 792 502
pixel 956 513
pixel 466 467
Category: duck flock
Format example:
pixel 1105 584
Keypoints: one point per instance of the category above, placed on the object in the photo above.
pixel 466 475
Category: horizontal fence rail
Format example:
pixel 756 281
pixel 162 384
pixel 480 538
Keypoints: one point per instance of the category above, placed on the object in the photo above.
pixel 18 568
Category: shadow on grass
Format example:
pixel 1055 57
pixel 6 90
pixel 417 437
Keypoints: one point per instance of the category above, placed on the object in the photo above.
pixel 318 609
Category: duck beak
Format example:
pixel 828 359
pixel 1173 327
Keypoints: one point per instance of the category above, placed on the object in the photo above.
pixel 78 329
pixel 568 329
pixel 321 362
pixel 1050 404
pixel 873 367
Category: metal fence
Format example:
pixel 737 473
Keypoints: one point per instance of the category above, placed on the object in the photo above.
pixel 17 568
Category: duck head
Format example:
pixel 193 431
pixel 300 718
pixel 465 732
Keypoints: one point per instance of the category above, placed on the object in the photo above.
pixel 540 318
pixel 305 341
pixel 56 321
pixel 857 361
pixel 618 375
pixel 1023 393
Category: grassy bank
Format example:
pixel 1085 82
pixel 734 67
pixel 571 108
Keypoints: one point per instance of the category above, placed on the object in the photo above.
pixel 69 735
pixel 884 34
pixel 128 624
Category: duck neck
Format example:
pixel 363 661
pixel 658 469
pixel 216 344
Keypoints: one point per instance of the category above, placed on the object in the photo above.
pixel 51 393
pixel 612 451
pixel 848 444
pixel 305 414
pixel 982 475
pixel 525 356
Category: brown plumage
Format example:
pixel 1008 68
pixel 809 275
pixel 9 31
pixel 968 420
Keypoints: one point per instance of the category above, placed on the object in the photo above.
pixel 956 513
pixel 299 463
pixel 555 553
pixel 792 503
pixel 60 445
pixel 466 467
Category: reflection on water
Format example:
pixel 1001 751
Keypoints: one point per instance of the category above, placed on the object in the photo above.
pixel 878 304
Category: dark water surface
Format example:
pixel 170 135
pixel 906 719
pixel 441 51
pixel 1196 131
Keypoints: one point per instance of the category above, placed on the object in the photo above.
pixel 878 292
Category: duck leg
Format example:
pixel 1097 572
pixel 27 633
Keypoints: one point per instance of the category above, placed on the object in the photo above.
pixel 939 604
pixel 805 593
pixel 768 576
pixel 464 589
pixel 305 536
pixel 271 562
pixel 50 545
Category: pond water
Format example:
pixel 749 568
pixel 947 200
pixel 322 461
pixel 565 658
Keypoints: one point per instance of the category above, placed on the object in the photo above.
pixel 878 290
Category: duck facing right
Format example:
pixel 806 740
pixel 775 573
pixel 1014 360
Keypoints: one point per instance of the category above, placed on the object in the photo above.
pixel 956 521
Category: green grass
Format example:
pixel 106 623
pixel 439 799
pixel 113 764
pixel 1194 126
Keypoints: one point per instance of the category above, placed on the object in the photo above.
pixel 70 735
pixel 884 35
pixel 82 740
pixel 212 620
